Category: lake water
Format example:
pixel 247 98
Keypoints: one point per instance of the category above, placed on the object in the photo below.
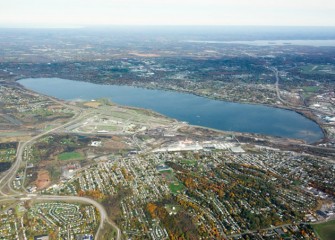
pixel 187 107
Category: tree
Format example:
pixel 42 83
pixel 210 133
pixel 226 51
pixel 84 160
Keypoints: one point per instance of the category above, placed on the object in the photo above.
pixel 152 208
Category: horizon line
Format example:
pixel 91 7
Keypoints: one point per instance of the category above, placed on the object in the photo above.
pixel 73 26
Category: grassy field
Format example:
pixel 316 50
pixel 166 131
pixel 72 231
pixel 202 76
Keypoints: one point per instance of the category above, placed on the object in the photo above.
pixel 309 68
pixel 172 208
pixel 318 69
pixel 176 187
pixel 70 156
pixel 168 171
pixel 189 162
pixel 326 231
pixel 12 134
pixel 311 89
pixel 108 128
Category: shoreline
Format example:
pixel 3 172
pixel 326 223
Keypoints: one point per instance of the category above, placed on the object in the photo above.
pixel 298 111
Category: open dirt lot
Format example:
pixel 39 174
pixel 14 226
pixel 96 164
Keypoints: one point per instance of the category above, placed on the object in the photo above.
pixel 43 179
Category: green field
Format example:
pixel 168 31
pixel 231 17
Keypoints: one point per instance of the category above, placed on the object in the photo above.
pixel 7 155
pixel 326 231
pixel 108 128
pixel 172 208
pixel 168 171
pixel 176 187
pixel 309 68
pixel 70 156
pixel 311 89
pixel 189 162
pixel 317 69
pixel 12 134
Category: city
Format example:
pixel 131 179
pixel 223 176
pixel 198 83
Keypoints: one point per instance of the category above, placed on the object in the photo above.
pixel 175 120
pixel 157 177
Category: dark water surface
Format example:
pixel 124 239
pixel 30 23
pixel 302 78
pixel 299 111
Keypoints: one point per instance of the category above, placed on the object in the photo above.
pixel 186 107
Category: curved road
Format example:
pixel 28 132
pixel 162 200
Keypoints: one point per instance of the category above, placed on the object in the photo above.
pixel 103 214
pixel 7 178
pixel 101 209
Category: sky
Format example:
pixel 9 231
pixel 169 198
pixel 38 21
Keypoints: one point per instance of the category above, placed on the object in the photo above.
pixel 66 13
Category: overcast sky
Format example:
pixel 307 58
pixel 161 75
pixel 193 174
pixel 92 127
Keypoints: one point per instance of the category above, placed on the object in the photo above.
pixel 51 13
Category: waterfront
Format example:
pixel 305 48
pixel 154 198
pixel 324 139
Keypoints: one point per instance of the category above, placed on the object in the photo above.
pixel 193 109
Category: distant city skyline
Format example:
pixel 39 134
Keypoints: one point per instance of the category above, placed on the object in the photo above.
pixel 71 13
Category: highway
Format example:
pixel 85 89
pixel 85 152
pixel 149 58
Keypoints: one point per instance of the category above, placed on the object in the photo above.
pixel 8 177
pixel 276 72
pixel 301 107
pixel 277 86
pixel 7 193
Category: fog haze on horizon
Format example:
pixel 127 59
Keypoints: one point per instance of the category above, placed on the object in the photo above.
pixel 72 13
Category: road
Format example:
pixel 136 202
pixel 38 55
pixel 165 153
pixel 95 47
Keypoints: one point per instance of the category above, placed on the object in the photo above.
pixel 277 85
pixel 38 197
pixel 7 179
pixel 208 213
pixel 103 214
pixel 301 108
pixel 294 107
pixel 276 72
pixel 264 229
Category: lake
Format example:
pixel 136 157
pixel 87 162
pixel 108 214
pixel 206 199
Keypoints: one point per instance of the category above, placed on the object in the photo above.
pixel 193 109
